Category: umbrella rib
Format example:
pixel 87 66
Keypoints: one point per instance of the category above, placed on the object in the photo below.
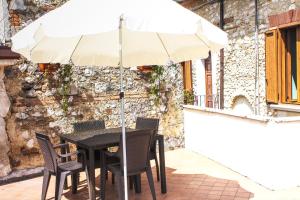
pixel 35 47
pixel 76 46
pixel 163 44
pixel 202 41
pixel 31 50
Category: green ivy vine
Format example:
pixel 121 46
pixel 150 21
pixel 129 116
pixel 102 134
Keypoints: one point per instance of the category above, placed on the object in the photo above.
pixel 155 81
pixel 65 78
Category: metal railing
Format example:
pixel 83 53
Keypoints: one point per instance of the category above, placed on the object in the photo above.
pixel 203 102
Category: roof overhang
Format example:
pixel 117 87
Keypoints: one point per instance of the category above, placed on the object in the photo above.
pixel 7 56
pixel 7 53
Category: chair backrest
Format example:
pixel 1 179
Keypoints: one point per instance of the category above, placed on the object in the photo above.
pixel 49 154
pixel 138 147
pixel 148 123
pixel 88 125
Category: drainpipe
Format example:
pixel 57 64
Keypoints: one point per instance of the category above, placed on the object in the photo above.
pixel 257 95
pixel 221 58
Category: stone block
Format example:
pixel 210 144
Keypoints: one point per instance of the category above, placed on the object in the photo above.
pixel 4 100
pixel 5 168
pixel 17 5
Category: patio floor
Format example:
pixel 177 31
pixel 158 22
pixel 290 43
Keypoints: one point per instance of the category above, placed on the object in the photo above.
pixel 189 176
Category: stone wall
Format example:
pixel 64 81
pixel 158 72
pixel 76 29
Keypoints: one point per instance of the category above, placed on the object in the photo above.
pixel 36 105
pixel 5 167
pixel 240 54
pixel 4 25
pixel 37 102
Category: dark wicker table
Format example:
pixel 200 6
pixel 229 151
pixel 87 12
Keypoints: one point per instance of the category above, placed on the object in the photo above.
pixel 101 139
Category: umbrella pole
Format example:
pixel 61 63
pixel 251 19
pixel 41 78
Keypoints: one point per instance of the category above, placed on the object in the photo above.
pixel 122 108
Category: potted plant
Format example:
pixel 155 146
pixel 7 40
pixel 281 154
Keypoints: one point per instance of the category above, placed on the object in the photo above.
pixel 189 97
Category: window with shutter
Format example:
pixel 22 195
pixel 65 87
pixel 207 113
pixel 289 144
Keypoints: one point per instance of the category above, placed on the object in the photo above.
pixel 187 76
pixel 283 65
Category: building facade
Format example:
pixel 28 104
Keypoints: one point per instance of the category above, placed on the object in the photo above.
pixel 246 85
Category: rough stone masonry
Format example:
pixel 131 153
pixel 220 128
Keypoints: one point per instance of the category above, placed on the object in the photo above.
pixel 240 55
pixel 36 101
pixel 5 167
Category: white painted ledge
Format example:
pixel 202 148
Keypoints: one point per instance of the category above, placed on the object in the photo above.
pixel 285 107
pixel 249 117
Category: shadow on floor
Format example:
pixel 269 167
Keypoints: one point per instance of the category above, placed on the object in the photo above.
pixel 180 187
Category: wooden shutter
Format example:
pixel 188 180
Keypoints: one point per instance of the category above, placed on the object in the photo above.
pixel 281 66
pixel 298 63
pixel 288 67
pixel 187 75
pixel 208 83
pixel 271 67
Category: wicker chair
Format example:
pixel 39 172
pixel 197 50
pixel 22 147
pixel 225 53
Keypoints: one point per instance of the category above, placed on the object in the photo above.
pixel 138 148
pixel 90 126
pixel 60 170
pixel 153 124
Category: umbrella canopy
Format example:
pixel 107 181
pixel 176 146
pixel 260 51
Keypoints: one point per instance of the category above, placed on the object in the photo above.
pixel 86 32
pixel 118 33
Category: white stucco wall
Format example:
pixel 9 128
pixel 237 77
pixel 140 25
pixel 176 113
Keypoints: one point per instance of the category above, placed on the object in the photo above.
pixel 266 150
pixel 199 77
pixel 198 69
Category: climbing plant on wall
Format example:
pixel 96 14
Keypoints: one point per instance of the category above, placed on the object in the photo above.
pixel 158 86
pixel 65 79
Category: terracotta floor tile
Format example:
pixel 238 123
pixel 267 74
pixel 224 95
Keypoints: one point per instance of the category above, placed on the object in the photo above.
pixel 243 194
pixel 226 197
pixel 181 186
pixel 216 192
pixel 241 198
pixel 220 188
pixel 204 187
pixel 231 193
pixel 233 184
pixel 220 184
pixel 213 197
pixel 235 189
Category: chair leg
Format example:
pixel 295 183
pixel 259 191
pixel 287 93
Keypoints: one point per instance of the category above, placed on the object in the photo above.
pixel 75 178
pixel 87 178
pixel 120 186
pixel 112 178
pixel 78 179
pixel 106 175
pixel 131 182
pixel 103 181
pixel 137 184
pixel 151 182
pixel 46 180
pixel 60 180
pixel 157 167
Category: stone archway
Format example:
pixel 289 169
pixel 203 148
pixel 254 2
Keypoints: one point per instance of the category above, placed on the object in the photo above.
pixel 241 105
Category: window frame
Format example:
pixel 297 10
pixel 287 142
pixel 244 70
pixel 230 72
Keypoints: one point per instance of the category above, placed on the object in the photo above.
pixel 284 66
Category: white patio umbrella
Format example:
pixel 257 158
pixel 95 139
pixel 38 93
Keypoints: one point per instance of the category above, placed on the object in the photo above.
pixel 121 33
